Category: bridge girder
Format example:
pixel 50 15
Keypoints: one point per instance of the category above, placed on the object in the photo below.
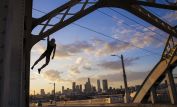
pixel 132 6
pixel 166 64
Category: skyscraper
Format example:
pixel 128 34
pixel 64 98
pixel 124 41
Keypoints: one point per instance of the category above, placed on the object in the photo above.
pixel 77 89
pixel 63 89
pixel 88 86
pixel 121 87
pixel 74 87
pixel 42 92
pixel 105 85
pixel 89 80
pixel 98 86
pixel 53 92
pixel 80 88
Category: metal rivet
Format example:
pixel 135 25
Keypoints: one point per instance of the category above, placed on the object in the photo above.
pixel 163 24
pixel 169 27
pixel 149 15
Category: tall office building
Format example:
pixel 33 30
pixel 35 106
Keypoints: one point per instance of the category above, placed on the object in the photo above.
pixel 121 87
pixel 63 89
pixel 89 80
pixel 93 89
pixel 53 92
pixel 42 92
pixel 88 88
pixel 98 86
pixel 74 87
pixel 105 85
pixel 77 89
pixel 80 88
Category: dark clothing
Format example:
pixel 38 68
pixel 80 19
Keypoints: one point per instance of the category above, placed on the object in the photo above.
pixel 48 52
pixel 49 49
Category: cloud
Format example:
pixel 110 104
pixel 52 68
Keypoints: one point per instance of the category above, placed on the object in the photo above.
pixel 78 46
pixel 38 48
pixel 143 41
pixel 137 35
pixel 52 75
pixel 171 16
pixel 111 48
pixel 135 41
pixel 68 50
pixel 79 60
pixel 61 52
pixel 80 64
pixel 116 65
pixel 33 76
pixel 74 70
pixel 87 67
pixel 83 63
pixel 131 76
pixel 99 47
pixel 116 79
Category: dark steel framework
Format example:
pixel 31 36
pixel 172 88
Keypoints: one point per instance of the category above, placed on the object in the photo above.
pixel 164 67
pixel 133 6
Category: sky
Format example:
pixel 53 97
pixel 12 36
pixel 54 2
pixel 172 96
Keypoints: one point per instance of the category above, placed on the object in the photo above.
pixel 82 53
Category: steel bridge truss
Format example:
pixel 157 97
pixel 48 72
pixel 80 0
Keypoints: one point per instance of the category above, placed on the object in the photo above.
pixel 65 16
pixel 162 71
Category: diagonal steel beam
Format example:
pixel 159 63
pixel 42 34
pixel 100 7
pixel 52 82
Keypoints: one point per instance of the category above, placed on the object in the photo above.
pixel 54 12
pixel 124 4
pixel 141 13
pixel 159 70
pixel 66 22
pixel 156 5
pixel 152 19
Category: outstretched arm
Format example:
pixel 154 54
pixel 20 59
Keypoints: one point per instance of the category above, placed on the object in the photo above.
pixel 54 52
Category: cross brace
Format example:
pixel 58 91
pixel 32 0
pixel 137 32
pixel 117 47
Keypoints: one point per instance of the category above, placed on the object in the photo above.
pixel 133 6
pixel 168 61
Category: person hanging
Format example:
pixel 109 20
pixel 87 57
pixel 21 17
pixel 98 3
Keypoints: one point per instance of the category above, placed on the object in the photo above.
pixel 51 47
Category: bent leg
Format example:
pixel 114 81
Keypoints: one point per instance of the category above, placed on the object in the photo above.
pixel 40 58
pixel 47 62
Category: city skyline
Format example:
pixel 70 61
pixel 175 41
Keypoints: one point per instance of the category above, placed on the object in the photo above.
pixel 104 86
pixel 73 87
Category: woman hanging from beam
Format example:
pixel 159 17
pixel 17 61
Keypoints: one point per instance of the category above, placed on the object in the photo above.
pixel 51 46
